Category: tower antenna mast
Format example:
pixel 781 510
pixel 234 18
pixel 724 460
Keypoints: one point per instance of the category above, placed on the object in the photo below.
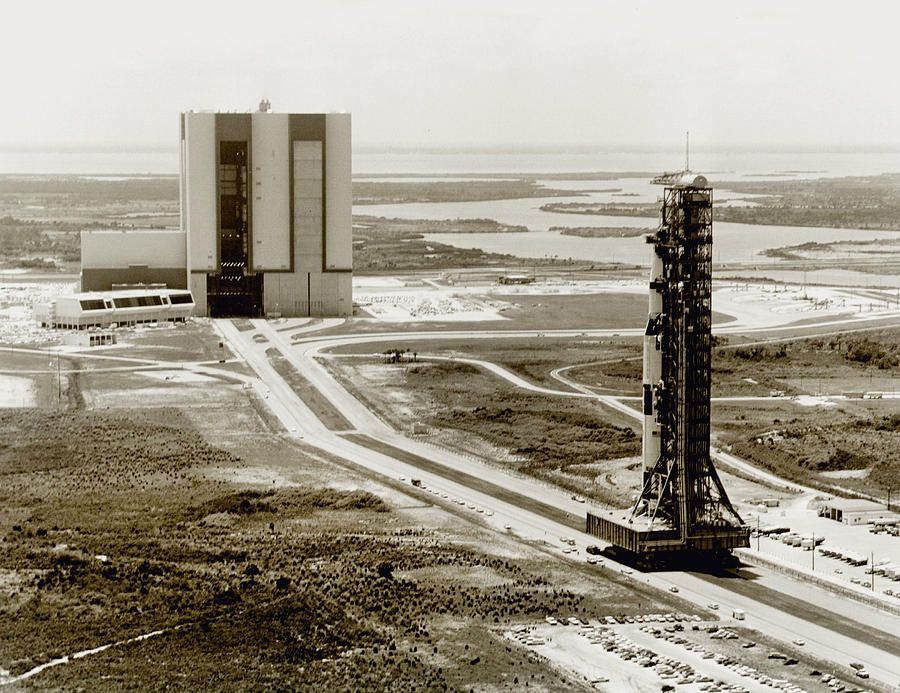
pixel 687 150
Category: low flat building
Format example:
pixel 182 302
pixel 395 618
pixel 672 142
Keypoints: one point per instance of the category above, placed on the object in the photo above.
pixel 91 338
pixel 131 258
pixel 854 511
pixel 115 308
pixel 515 279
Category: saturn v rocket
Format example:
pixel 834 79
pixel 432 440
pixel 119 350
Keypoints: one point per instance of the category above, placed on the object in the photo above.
pixel 652 380
pixel 678 317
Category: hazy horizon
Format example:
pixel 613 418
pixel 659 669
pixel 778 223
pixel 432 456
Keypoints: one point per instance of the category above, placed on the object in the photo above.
pixel 498 148
pixel 467 74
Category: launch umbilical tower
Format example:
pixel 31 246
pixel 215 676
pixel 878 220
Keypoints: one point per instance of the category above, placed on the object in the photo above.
pixel 682 505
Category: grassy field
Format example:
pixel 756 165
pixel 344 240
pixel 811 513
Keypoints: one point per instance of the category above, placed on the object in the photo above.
pixel 267 565
pixel 175 342
pixel 565 441
pixel 525 311
pixel 574 443
pixel 845 445
pixel 848 444
pixel 324 410
pixel 533 311
pixel 532 359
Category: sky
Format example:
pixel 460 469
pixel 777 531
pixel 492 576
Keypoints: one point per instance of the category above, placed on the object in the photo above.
pixel 420 73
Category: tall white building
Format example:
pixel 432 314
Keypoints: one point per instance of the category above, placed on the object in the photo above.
pixel 266 210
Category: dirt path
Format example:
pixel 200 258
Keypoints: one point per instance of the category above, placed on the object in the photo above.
pixel 83 653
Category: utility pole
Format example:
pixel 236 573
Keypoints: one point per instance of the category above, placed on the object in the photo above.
pixel 757 532
pixel 813 556
pixel 58 380
pixel 872 568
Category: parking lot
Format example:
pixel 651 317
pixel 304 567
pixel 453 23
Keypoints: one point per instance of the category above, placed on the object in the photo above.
pixel 801 518
pixel 657 652
pixel 841 560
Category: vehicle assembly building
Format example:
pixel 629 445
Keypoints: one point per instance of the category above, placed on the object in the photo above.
pixel 265 220
pixel 266 209
pixel 682 506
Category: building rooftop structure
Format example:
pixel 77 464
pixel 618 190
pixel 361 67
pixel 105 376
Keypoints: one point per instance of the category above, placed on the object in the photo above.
pixel 853 505
pixel 115 257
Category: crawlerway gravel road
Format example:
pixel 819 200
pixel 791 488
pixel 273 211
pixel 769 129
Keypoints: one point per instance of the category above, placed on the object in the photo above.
pixel 773 604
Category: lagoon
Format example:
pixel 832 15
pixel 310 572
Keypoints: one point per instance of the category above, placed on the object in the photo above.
pixel 732 243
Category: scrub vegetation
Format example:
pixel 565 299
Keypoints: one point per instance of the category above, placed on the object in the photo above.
pixel 601 231
pixel 809 444
pixel 388 245
pixel 550 439
pixel 118 524
pixel 38 245
pixel 398 244
pixel 366 192
pixel 823 446
pixel 575 443
pixel 581 445
pixel 40 216
pixel 866 202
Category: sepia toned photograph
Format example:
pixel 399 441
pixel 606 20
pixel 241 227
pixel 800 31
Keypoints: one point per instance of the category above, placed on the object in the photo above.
pixel 416 346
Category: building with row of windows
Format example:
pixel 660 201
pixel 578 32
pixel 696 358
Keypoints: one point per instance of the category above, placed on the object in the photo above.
pixel 93 309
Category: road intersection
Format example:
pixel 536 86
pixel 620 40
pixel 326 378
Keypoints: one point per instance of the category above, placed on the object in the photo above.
pixel 775 605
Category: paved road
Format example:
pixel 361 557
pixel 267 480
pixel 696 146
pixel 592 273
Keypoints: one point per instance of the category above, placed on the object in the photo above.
pixel 735 462
pixel 823 617
pixel 800 611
